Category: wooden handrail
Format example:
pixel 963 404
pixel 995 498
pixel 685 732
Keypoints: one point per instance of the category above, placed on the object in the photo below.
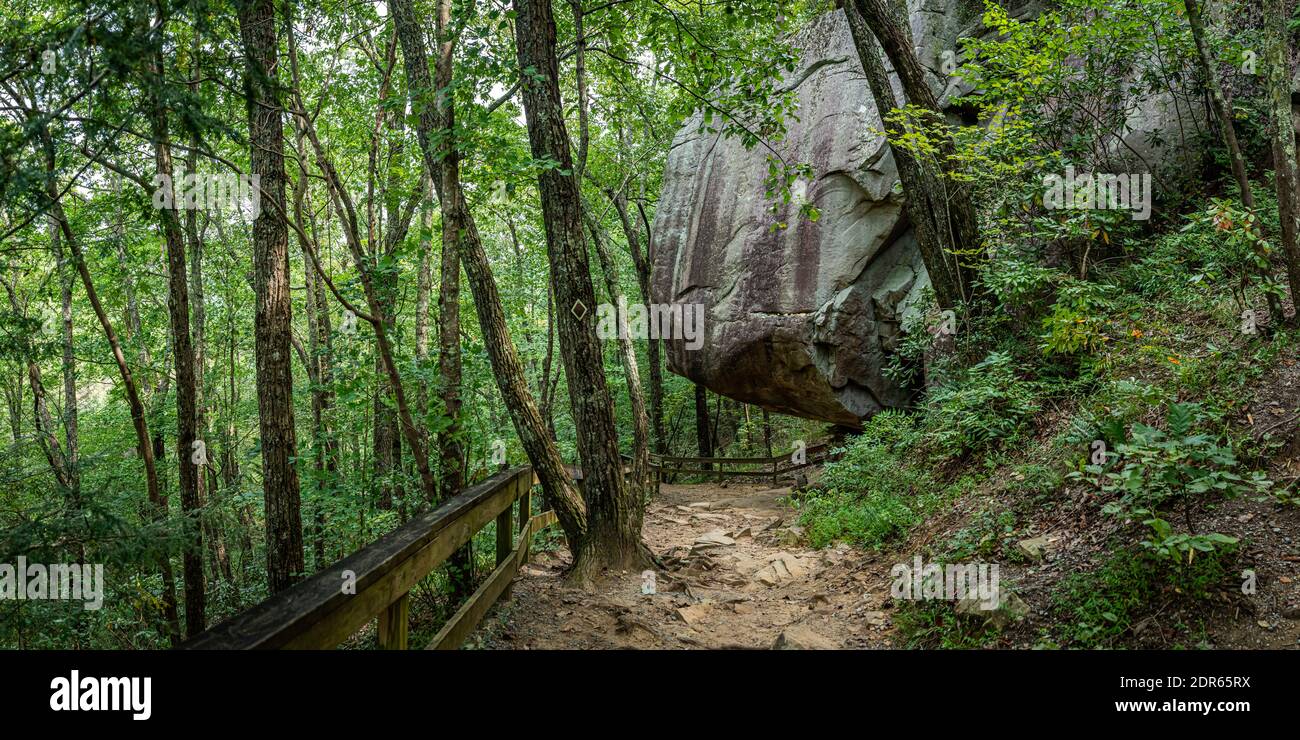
pixel 815 449
pixel 320 613
pixel 374 582
pixel 774 467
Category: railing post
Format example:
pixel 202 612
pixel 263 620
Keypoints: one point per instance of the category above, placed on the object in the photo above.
pixel 505 534
pixel 505 539
pixel 394 623
pixel 525 512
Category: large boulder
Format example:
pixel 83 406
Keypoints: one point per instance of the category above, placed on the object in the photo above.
pixel 799 320
pixel 802 320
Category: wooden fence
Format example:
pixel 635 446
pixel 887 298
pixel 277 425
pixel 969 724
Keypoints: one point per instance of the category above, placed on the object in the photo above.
pixel 375 581
pixel 772 468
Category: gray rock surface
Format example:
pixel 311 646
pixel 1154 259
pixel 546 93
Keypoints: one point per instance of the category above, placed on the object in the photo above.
pixel 800 319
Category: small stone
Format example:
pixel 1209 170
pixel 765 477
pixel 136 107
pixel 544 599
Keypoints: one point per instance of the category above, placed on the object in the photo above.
pixel 1008 608
pixel 1035 548
pixel 799 637
pixel 694 614
pixel 783 567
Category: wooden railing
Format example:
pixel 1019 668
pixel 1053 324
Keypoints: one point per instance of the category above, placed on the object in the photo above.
pixel 375 582
pixel 758 467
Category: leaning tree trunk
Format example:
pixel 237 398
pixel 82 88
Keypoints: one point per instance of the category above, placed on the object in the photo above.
pixel 1278 55
pixel 1218 101
pixel 507 370
pixel 614 539
pixel 284 554
pixel 157 505
pixel 950 231
pixel 627 352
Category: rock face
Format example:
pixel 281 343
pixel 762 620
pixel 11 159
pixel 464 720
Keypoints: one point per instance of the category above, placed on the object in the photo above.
pixel 798 320
pixel 802 320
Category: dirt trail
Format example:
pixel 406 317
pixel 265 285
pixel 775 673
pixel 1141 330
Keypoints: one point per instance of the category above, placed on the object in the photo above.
pixel 736 577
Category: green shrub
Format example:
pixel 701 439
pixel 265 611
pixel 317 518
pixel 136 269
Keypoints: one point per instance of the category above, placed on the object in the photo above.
pixel 989 402
pixel 1076 325
pixel 1158 469
pixel 1097 607
pixel 873 493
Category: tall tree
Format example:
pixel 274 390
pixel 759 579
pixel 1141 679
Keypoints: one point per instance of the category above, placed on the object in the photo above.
pixel 447 186
pixel 614 537
pixel 273 331
pixel 508 371
pixel 71 425
pixel 1277 60
pixel 157 503
pixel 703 435
pixel 178 311
pixel 627 354
pixel 641 263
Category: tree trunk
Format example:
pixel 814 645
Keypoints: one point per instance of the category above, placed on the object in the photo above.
pixel 1219 102
pixel 454 214
pixel 284 550
pixel 43 420
pixel 627 352
pixel 71 435
pixel 1277 59
pixel 507 369
pixel 423 289
pixel 938 205
pixel 157 506
pixel 320 369
pixel 703 434
pixel 614 539
pixel 641 262
pixel 178 312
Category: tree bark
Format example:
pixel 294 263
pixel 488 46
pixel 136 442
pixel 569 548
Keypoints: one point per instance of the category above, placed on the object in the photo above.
pixel 1277 59
pixel 451 451
pixel 703 434
pixel 156 504
pixel 320 367
pixel 71 433
pixel 284 547
pixel 940 208
pixel 178 312
pixel 641 262
pixel 614 539
pixel 43 420
pixel 627 353
pixel 508 371
pixel 1219 102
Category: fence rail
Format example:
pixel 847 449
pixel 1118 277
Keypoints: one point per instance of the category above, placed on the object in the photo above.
pixel 761 467
pixel 319 613
pixel 374 583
